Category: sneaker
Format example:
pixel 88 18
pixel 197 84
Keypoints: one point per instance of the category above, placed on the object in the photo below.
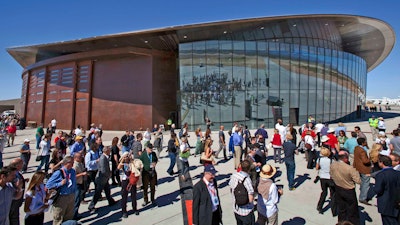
pixel 292 189
pixel 125 215
pixel 92 210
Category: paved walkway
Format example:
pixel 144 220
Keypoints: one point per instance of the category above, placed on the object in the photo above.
pixel 295 207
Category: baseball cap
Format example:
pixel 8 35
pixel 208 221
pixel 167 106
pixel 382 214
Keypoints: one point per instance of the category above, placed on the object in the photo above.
pixel 210 169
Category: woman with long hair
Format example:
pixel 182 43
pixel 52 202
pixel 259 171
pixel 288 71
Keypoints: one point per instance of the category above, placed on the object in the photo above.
pixel 208 156
pixel 293 132
pixel 55 161
pixel 36 200
pixel 342 139
pixel 115 156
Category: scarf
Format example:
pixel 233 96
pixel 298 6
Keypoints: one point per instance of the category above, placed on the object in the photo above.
pixel 264 186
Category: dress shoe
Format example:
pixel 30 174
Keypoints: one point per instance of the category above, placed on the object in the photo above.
pixel 145 203
pixel 137 213
pixel 365 202
pixel 112 203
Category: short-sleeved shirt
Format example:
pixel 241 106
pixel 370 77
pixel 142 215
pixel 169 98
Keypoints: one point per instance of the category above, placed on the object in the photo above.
pixel 221 134
pixel 395 141
pixel 235 178
pixel 37 200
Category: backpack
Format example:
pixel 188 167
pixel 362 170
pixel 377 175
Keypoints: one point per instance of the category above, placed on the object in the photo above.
pixel 241 194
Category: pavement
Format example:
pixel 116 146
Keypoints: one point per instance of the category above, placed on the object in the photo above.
pixel 295 207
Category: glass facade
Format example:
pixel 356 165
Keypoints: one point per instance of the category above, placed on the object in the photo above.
pixel 256 82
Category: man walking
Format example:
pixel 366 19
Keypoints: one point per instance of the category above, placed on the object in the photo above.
pixel 101 180
pixel 237 140
pixel 345 177
pixel 206 202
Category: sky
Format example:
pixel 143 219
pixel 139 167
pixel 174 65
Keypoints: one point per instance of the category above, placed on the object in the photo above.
pixel 28 22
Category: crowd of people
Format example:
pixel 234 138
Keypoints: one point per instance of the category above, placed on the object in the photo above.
pixel 71 162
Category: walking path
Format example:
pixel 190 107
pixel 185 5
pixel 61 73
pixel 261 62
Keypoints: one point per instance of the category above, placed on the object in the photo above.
pixel 295 207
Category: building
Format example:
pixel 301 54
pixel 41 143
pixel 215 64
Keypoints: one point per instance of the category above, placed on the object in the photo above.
pixel 248 70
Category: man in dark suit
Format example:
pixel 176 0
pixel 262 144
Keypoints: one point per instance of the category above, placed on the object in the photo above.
pixel 206 202
pixel 101 180
pixel 387 186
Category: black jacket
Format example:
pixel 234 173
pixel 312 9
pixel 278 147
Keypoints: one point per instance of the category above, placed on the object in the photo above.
pixel 202 205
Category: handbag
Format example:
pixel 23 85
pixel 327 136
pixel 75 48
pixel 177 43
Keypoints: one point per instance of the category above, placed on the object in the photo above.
pixel 204 158
pixel 39 156
pixel 133 179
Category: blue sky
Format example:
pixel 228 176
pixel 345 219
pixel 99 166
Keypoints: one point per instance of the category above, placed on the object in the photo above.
pixel 27 22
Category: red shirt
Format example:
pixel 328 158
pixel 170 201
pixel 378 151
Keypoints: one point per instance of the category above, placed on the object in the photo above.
pixel 276 140
pixel 12 129
pixel 332 140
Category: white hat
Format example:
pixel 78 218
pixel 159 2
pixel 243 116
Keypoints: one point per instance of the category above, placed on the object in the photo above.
pixel 331 130
pixel 27 140
pixel 324 138
pixel 385 152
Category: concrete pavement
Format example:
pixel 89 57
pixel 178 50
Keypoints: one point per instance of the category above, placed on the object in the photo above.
pixel 295 207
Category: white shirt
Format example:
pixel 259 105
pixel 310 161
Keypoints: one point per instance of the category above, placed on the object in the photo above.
pixel 78 132
pixel 318 127
pixel 282 131
pixel 38 200
pixel 44 148
pixel 267 207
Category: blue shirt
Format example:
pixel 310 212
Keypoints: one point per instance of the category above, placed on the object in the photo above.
pixel 350 144
pixel 237 139
pixel 90 160
pixel 55 181
pixel 76 147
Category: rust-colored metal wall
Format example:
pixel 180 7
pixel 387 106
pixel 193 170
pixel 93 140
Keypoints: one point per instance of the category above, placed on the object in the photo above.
pixel 120 91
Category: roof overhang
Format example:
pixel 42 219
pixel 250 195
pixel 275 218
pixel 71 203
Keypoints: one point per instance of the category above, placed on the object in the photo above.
pixel 369 38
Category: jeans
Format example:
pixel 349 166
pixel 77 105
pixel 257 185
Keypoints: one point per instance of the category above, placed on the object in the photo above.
pixel 184 167
pixel 172 157
pixel 79 196
pixel 290 169
pixel 364 187
pixel 38 139
pixel 44 161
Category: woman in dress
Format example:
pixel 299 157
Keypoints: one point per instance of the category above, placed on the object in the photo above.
pixel 199 143
pixel 36 200
pixel 208 156
pixel 183 157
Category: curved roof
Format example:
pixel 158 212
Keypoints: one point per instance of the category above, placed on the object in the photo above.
pixel 369 38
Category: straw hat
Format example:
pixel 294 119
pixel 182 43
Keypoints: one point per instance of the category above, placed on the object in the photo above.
pixel 267 171
pixel 380 118
pixel 324 138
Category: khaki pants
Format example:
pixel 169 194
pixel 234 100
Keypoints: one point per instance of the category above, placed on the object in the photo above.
pixel 238 156
pixel 63 209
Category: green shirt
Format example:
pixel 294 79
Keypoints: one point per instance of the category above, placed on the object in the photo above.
pixel 148 159
pixel 39 131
